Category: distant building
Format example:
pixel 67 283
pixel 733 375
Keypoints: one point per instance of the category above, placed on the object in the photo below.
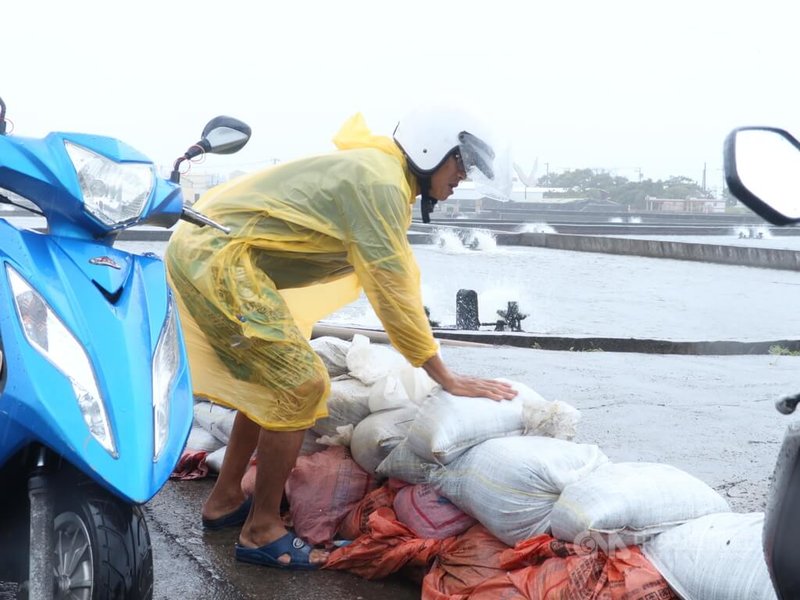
pixel 685 205
pixel 195 183
pixel 519 193
pixel 466 199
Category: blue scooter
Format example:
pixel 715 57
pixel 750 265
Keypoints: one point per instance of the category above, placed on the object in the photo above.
pixel 95 394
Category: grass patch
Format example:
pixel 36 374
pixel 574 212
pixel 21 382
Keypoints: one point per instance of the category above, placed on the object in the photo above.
pixel 778 350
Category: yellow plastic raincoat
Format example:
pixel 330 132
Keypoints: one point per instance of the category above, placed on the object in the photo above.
pixel 306 237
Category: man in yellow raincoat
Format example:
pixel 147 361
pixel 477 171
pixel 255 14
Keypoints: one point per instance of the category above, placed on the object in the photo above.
pixel 306 237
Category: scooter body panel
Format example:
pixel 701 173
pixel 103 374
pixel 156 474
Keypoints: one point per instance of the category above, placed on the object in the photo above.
pixel 119 337
pixel 782 519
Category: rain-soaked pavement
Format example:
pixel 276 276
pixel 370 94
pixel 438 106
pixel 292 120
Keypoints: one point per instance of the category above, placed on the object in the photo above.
pixel 712 416
pixel 196 565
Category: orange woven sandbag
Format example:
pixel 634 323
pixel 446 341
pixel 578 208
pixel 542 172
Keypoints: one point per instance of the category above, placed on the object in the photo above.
pixel 355 523
pixel 544 568
pixel 386 548
pixel 471 560
pixel 322 488
pixel 499 587
pixel 428 514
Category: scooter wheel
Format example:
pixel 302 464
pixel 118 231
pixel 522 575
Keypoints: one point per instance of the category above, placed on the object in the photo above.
pixel 102 547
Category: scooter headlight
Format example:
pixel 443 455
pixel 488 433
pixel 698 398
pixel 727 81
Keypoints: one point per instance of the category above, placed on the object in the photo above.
pixel 165 368
pixel 51 338
pixel 115 193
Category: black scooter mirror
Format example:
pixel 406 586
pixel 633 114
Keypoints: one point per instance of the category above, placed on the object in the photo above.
pixel 221 135
pixel 224 135
pixel 762 170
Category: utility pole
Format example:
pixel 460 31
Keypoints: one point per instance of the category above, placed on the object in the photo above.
pixel 704 177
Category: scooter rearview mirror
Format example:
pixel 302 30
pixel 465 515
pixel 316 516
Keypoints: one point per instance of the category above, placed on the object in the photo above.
pixel 762 170
pixel 221 135
pixel 225 135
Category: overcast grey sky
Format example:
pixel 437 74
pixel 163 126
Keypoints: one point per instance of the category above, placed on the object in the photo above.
pixel 627 85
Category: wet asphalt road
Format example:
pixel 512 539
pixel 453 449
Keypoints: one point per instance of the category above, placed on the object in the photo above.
pixel 195 565
pixel 712 416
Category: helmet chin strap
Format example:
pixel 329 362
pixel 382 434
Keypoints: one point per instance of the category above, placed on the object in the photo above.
pixel 427 202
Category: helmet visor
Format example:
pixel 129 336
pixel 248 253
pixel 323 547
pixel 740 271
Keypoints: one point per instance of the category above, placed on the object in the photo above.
pixel 483 167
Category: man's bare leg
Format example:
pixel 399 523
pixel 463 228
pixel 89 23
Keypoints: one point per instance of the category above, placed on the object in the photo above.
pixel 277 454
pixel 226 495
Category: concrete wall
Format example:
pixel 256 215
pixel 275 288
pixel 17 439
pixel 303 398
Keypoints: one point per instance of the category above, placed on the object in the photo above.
pixel 771 258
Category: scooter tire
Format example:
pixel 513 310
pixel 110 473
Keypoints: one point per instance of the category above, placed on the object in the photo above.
pixel 121 554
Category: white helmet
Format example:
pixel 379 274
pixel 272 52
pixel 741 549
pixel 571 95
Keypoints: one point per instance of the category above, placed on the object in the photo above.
pixel 429 135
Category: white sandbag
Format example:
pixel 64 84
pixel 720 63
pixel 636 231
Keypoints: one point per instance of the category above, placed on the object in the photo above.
pixel 715 557
pixel 214 460
pixel 371 362
pixel 343 437
pixel 200 439
pixel 549 418
pixel 403 464
pixel 333 352
pixel 448 425
pixel 624 504
pixel 348 404
pixel 387 393
pixel 376 436
pixel 417 383
pixel 510 484
pixel 403 386
pixel 214 418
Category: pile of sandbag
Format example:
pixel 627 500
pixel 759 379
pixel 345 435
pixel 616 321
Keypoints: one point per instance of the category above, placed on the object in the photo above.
pixel 412 477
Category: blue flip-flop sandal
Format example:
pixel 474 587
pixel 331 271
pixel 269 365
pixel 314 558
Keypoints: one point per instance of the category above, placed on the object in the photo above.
pixel 237 517
pixel 298 550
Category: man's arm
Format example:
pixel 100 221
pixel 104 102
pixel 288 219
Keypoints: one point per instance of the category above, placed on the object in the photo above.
pixel 461 385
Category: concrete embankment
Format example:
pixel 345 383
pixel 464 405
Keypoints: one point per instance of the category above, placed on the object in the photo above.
pixel 767 258
pixel 461 337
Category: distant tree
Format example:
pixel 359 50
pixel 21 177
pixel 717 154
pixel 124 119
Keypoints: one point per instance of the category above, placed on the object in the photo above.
pixel 683 187
pixel 587 183
pixel 633 194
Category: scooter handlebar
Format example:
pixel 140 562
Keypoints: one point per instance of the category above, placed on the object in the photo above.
pixel 196 218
